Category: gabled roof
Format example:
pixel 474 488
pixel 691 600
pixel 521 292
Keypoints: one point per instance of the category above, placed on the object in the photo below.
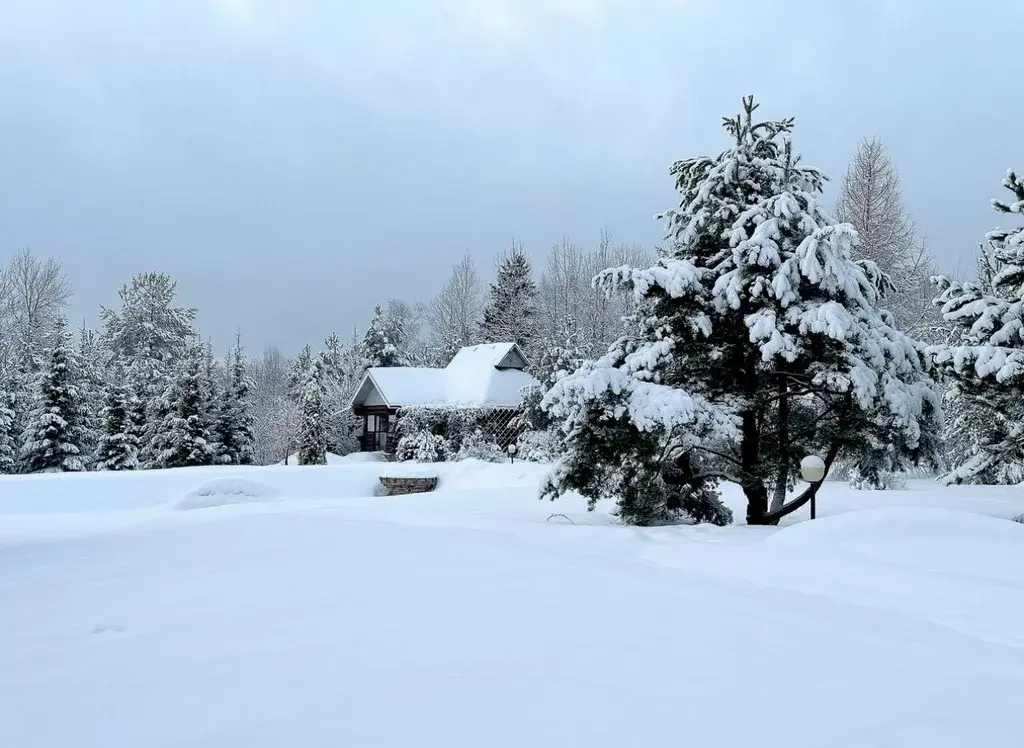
pixel 489 375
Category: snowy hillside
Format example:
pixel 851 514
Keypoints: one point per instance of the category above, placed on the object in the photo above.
pixel 287 606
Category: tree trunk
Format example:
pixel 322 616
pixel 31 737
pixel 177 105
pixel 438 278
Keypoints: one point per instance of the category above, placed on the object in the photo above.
pixel 750 448
pixel 782 469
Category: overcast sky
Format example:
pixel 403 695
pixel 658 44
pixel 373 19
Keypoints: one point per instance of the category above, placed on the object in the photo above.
pixel 293 162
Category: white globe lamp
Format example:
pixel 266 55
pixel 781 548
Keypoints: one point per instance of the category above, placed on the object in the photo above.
pixel 812 469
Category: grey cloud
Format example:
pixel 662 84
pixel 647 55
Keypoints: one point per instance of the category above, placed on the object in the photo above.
pixel 293 163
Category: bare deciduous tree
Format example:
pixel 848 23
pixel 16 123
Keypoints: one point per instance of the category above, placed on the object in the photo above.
pixel 456 311
pixel 567 292
pixel 34 292
pixel 871 199
pixel 274 414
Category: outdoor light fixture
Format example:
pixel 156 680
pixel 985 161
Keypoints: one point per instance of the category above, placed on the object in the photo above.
pixel 812 470
pixel 512 452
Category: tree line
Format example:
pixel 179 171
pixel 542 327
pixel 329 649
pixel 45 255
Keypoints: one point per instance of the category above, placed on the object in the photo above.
pixel 777 324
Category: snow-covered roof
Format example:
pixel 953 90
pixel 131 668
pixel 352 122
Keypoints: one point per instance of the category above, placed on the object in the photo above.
pixel 489 375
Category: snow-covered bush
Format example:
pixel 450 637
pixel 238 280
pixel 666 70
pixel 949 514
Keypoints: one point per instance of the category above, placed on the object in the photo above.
pixel 428 434
pixel 421 446
pixel 436 434
pixel 476 446
pixel 538 446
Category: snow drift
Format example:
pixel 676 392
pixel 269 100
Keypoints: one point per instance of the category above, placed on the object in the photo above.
pixel 328 617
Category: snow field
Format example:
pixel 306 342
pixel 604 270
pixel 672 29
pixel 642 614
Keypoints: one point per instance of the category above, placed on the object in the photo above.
pixel 293 607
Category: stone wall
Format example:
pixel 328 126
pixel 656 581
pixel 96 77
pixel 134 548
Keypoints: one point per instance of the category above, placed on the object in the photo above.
pixel 397 486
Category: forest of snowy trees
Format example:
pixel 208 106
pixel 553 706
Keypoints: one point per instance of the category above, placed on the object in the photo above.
pixel 768 326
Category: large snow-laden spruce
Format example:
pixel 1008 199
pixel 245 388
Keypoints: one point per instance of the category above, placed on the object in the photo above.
pixel 757 340
pixel 53 436
pixel 511 311
pixel 986 360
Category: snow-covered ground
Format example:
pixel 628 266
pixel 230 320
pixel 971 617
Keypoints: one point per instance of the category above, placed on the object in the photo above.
pixel 288 606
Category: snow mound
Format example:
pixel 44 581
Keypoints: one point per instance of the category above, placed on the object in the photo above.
pixel 356 457
pixel 936 539
pixel 225 491
pixel 410 472
pixel 332 459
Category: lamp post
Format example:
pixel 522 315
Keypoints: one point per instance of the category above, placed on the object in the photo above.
pixel 812 470
pixel 512 453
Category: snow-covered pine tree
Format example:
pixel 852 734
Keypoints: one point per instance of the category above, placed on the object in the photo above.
pixel 757 340
pixel 985 361
pixel 16 397
pixel 91 387
pixel 312 432
pixel 149 334
pixel 234 415
pixel 8 436
pixel 381 344
pixel 213 382
pixel 185 438
pixel 119 441
pixel 55 430
pixel 511 311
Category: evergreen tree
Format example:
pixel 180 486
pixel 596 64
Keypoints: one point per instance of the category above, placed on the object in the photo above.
pixel 757 340
pixel 91 386
pixel 8 435
pixel 234 417
pixel 312 433
pixel 511 311
pixel 985 361
pixel 17 396
pixel 55 430
pixel 382 343
pixel 185 438
pixel 150 335
pixel 119 443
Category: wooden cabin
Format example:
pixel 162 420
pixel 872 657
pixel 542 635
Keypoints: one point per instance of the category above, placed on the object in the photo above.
pixel 490 376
